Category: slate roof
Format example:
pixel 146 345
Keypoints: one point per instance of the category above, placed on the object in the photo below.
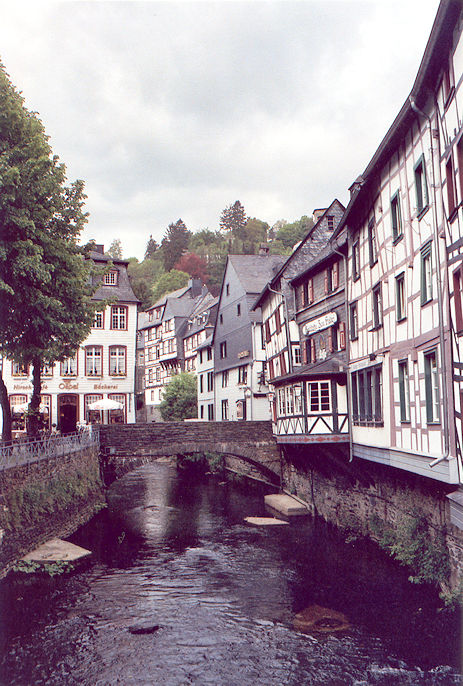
pixel 174 294
pixel 331 366
pixel 255 271
pixel 123 291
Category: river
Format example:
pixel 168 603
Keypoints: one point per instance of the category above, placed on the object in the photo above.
pixel 172 555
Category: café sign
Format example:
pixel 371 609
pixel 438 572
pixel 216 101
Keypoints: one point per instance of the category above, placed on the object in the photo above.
pixel 323 322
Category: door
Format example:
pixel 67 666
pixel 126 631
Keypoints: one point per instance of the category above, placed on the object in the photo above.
pixel 68 412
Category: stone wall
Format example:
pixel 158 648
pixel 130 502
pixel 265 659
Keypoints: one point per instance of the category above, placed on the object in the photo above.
pixel 250 441
pixel 47 498
pixel 354 496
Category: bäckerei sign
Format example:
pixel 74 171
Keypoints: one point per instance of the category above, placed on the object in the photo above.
pixel 320 323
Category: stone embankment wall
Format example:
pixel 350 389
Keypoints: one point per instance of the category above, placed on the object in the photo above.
pixel 366 499
pixel 125 447
pixel 48 498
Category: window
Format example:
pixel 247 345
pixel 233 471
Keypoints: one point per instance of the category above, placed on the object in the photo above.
pixel 98 321
pixel 46 369
pixel 330 221
pixel 355 260
pixel 366 396
pixel 225 378
pixel 210 381
pixel 431 382
pixel 400 308
pixel 200 357
pixel 19 369
pixel 243 374
pixel 460 165
pixel 118 317
pixel 426 273
pixel 421 186
pixel 221 318
pixel 353 321
pixel 117 360
pixel 201 383
pixel 201 411
pixel 227 289
pixel 277 320
pixel 110 279
pixel 404 391
pixel 92 415
pixel 318 396
pixel 372 242
pixel 451 187
pixel 209 353
pixel 69 366
pixel 458 299
pixel 238 310
pixel 297 354
pixel 396 218
pixel 117 416
pixel 377 307
pixel 210 412
pixel 93 360
pixel 224 410
pixel 158 374
pixel 223 350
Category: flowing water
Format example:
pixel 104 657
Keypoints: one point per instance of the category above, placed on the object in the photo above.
pixel 173 557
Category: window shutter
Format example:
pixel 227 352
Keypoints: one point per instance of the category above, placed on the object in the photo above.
pixel 311 298
pixel 342 335
pixel 428 389
pixel 304 352
pixel 267 331
pixel 270 369
pixel 330 339
pixel 335 277
pixel 277 320
pixel 326 281
pixel 313 351
pixel 282 363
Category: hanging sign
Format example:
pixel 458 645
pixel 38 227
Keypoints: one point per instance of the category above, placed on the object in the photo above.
pixel 320 323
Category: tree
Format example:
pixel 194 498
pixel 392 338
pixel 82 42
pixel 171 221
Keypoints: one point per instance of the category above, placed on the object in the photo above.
pixel 193 265
pixel 174 243
pixel 168 282
pixel 45 298
pixel 151 248
pixel 233 218
pixel 180 400
pixel 115 249
pixel 143 276
pixel 290 234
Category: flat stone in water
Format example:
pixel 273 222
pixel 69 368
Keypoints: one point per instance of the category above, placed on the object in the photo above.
pixel 264 521
pixel 144 628
pixel 57 550
pixel 317 619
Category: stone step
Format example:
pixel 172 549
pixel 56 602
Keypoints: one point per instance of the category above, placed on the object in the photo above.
pixel 264 521
pixel 57 550
pixel 286 505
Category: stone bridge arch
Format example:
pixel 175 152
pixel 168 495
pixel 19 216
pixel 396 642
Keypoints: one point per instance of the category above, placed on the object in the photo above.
pixel 127 446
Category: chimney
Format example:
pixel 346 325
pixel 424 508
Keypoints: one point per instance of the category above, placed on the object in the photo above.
pixel 195 286
pixel 98 248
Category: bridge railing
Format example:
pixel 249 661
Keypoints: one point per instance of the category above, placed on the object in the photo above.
pixel 21 453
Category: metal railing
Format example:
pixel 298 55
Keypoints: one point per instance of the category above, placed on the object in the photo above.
pixel 21 453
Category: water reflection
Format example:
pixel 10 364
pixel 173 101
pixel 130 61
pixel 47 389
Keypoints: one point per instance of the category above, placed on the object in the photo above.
pixel 174 551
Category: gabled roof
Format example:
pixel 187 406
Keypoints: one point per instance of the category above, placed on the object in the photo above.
pixel 254 271
pixel 163 299
pixel 438 46
pixel 327 252
pixel 123 291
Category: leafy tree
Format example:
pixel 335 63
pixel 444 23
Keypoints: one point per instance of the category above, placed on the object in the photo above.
pixel 168 282
pixel 45 300
pixel 151 248
pixel 290 234
pixel 143 276
pixel 193 265
pixel 233 218
pixel 180 400
pixel 115 249
pixel 174 243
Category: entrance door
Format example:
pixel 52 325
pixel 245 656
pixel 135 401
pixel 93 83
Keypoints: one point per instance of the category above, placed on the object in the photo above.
pixel 68 412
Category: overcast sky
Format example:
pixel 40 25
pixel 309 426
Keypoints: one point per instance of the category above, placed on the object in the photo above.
pixel 173 110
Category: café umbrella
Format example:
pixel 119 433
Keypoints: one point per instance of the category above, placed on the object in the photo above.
pixel 105 404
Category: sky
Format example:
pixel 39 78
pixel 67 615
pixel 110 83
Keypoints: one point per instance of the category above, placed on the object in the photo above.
pixel 172 110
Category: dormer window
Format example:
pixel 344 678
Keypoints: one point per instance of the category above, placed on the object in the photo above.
pixel 110 279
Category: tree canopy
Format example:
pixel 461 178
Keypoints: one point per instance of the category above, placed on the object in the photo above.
pixel 175 243
pixel 151 248
pixel 168 282
pixel 115 249
pixel 233 218
pixel 179 400
pixel 193 265
pixel 45 299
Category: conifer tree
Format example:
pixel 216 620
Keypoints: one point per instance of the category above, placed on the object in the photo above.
pixel 174 244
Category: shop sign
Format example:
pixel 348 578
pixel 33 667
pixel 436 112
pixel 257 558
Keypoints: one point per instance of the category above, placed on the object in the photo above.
pixel 105 387
pixel 243 353
pixel 320 323
pixel 68 386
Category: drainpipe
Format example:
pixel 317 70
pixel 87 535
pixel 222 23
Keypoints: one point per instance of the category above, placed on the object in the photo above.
pixel 439 295
pixel 348 380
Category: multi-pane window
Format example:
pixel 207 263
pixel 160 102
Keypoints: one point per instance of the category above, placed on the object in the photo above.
pixel 366 396
pixel 46 369
pixel 377 307
pixel 289 400
pixel 318 396
pixel 225 378
pixel 356 259
pixel 110 279
pixel 19 369
pixel 330 222
pixel 201 383
pixel 372 242
pixel 243 374
pixel 98 320
pixel 404 391
pixel 223 350
pixel 396 218
pixel 93 360
pixel 117 360
pixel 117 416
pixel 91 414
pixel 209 353
pixel 118 317
pixel 210 381
pixel 421 186
pixel 426 273
pixel 224 410
pixel 353 321
pixel 69 366
pixel 297 354
pixel 400 307
pixel 210 412
pixel 431 381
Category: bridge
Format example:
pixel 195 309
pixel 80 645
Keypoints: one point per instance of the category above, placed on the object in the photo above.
pixel 127 446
